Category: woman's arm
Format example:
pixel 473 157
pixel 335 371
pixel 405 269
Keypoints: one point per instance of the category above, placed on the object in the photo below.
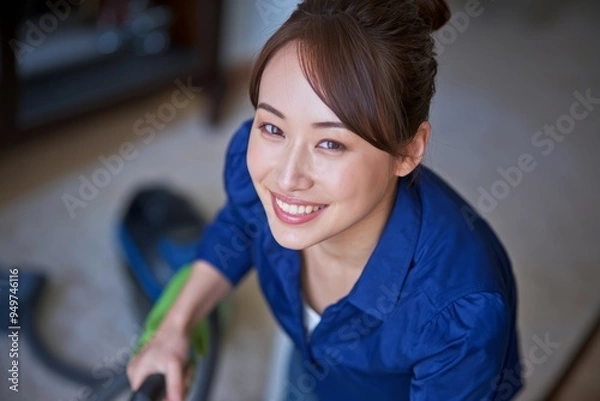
pixel 167 351
pixel 224 256
pixel 467 352
pixel 205 287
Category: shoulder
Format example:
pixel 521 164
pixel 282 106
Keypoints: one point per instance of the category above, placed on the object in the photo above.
pixel 472 322
pixel 457 252
pixel 238 184
pixel 485 315
pixel 239 141
pixel 475 331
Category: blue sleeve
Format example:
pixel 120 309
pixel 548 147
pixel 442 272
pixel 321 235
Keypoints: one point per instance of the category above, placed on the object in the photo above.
pixel 462 349
pixel 227 241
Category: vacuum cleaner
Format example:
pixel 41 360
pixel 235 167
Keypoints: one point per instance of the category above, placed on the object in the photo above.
pixel 157 236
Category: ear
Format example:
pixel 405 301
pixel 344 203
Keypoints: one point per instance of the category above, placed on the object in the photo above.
pixel 414 152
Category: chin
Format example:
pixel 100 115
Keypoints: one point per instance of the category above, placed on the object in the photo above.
pixel 287 238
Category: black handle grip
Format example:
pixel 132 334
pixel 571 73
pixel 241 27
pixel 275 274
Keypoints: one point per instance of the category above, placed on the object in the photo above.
pixel 152 389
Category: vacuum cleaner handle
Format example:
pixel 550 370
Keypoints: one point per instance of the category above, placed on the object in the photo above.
pixel 152 389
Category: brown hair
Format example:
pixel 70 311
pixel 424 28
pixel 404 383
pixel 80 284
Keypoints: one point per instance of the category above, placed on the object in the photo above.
pixel 372 62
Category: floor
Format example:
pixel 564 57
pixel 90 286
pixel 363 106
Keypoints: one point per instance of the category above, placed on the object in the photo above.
pixel 502 78
pixel 87 312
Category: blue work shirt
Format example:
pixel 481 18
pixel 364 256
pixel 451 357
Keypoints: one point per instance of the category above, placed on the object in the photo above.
pixel 432 316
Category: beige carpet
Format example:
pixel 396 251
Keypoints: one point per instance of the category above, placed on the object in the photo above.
pixel 87 314
pixel 500 82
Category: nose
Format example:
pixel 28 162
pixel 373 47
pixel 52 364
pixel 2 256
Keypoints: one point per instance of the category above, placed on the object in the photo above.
pixel 294 170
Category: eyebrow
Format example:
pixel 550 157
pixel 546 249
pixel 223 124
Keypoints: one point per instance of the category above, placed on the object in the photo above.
pixel 322 124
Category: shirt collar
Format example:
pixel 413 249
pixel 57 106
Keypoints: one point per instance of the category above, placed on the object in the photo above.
pixel 383 277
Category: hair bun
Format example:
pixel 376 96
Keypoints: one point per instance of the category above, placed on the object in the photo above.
pixel 434 12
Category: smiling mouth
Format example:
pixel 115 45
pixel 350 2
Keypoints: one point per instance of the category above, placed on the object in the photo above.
pixel 294 211
pixel 298 209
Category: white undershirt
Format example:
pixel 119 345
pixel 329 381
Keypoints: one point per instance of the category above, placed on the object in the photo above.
pixel 311 318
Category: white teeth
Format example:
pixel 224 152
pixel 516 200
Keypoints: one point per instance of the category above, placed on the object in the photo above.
pixel 297 210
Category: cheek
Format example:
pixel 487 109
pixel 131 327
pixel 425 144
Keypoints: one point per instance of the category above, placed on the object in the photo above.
pixel 260 159
pixel 253 159
pixel 358 183
pixel 339 183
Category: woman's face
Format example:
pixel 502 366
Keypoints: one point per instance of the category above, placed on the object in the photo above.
pixel 316 180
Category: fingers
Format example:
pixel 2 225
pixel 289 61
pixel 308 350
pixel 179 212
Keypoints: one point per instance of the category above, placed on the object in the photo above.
pixel 159 356
pixel 138 371
pixel 188 377
pixel 133 374
pixel 174 381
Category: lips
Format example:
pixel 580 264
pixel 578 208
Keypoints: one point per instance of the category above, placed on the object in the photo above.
pixel 294 211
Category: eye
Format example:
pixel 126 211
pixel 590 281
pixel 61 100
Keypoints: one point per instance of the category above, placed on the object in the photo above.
pixel 270 129
pixel 331 145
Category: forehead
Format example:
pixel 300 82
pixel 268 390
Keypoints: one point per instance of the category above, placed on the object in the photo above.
pixel 285 87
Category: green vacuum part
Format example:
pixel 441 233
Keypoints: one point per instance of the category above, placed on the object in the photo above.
pixel 200 336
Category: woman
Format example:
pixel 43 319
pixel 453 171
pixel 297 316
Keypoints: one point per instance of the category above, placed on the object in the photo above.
pixel 389 285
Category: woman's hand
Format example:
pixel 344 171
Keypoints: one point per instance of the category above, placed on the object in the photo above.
pixel 167 353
